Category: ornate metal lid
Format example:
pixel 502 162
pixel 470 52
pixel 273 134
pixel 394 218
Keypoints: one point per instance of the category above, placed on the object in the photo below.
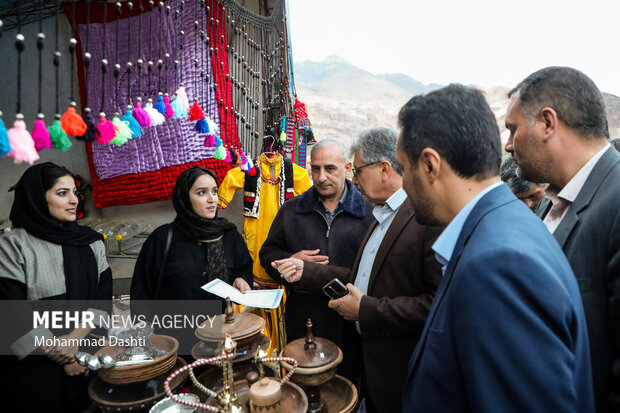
pixel 238 325
pixel 311 351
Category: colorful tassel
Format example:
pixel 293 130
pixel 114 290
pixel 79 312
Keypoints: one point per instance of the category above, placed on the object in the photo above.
pixel 179 110
pixel 132 123
pixel 40 135
pixel 58 136
pixel 220 153
pixel 22 145
pixel 244 160
pixel 218 141
pixel 182 97
pixel 201 126
pixel 5 147
pixel 282 136
pixel 73 123
pixel 141 116
pixel 107 130
pixel 123 133
pixel 248 168
pixel 196 113
pixel 91 133
pixel 213 126
pixel 228 158
pixel 156 117
pixel 209 141
pixel 169 111
pixel 235 159
pixel 160 106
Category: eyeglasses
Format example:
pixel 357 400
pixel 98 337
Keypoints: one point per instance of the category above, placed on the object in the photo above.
pixel 357 170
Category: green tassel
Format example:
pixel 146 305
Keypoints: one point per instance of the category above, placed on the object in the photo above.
pixel 123 132
pixel 220 153
pixel 283 137
pixel 58 136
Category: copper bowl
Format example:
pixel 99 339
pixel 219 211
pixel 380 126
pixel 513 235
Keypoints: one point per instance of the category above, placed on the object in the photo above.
pixel 136 397
pixel 143 371
pixel 294 399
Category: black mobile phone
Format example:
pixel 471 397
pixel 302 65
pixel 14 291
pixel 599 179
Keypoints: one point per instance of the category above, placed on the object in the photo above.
pixel 335 289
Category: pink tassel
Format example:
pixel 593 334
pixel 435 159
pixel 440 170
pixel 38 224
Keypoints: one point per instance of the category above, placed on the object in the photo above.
pixel 228 157
pixel 107 130
pixel 182 96
pixel 22 145
pixel 40 135
pixel 209 141
pixel 141 116
pixel 244 160
pixel 169 111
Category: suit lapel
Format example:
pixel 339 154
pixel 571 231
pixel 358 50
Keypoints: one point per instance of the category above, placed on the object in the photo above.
pixel 403 216
pixel 493 199
pixel 590 187
pixel 358 258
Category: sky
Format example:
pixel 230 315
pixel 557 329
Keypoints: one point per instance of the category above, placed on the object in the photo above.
pixel 481 42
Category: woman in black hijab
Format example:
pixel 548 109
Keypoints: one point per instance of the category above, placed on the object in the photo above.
pixel 48 256
pixel 203 246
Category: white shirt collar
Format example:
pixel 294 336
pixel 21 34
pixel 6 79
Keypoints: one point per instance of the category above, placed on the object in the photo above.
pixel 574 186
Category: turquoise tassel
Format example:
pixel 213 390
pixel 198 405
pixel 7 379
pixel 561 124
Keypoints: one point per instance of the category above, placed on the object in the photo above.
pixel 5 147
pixel 134 126
pixel 179 110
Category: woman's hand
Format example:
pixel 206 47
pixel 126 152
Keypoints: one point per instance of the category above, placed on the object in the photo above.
pixel 241 285
pixel 74 369
pixel 66 354
pixel 61 354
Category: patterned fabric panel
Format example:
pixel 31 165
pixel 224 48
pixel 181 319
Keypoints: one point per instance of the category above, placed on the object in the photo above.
pixel 144 187
pixel 175 142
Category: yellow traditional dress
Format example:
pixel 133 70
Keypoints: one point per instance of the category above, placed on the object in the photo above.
pixel 259 218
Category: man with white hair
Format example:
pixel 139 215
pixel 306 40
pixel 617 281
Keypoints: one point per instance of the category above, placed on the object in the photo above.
pixel 325 224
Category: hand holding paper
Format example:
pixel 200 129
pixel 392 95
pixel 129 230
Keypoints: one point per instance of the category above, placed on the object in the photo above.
pixel 254 298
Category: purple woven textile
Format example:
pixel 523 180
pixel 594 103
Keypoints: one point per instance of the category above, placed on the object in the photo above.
pixel 175 142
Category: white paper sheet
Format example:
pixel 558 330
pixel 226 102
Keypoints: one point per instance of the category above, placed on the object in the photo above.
pixel 259 298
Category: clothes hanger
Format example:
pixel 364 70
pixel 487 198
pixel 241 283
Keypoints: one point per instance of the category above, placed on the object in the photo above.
pixel 269 142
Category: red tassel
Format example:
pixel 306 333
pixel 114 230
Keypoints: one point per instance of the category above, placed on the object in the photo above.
pixel 196 113
pixel 73 123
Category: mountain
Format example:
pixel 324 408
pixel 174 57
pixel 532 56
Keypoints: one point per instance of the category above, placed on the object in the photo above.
pixel 409 84
pixel 343 99
pixel 336 78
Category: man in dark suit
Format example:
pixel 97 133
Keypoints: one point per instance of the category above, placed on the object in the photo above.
pixel 395 274
pixel 558 134
pixel 506 331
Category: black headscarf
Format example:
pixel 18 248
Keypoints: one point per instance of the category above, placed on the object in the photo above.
pixel 187 221
pixel 31 212
pixel 198 228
